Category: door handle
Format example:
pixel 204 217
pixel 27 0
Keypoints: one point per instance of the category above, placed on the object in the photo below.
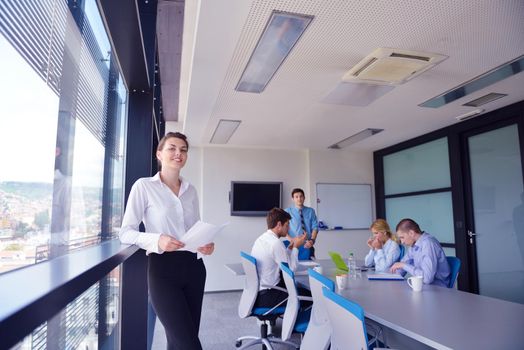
pixel 471 234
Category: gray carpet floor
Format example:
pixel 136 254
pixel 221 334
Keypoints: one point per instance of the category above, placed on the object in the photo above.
pixel 220 325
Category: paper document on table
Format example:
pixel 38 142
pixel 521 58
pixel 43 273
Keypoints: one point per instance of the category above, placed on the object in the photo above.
pixel 200 234
pixel 385 276
pixel 304 265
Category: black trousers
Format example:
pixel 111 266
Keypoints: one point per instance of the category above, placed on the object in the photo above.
pixel 176 285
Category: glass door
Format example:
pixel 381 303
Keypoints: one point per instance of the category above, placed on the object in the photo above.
pixel 495 230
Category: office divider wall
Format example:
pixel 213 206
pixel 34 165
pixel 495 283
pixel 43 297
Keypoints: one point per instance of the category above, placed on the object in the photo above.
pixel 428 179
pixel 417 184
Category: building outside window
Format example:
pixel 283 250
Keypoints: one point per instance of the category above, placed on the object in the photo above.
pixel 63 113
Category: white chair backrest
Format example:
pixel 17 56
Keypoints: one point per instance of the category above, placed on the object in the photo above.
pixel 249 295
pixel 293 304
pixel 318 333
pixel 347 322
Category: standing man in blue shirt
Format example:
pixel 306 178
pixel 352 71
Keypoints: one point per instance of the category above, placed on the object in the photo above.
pixel 303 220
pixel 425 256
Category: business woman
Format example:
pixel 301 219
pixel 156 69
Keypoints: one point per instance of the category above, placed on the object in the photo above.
pixel 167 204
pixel 384 250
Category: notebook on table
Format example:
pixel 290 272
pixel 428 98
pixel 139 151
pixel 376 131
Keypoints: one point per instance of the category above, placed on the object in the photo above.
pixel 385 276
pixel 338 261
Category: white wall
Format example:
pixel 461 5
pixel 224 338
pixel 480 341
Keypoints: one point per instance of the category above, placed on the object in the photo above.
pixel 341 166
pixel 220 166
pixel 212 169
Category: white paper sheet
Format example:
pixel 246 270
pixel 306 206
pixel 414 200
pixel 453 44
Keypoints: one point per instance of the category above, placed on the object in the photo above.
pixel 308 263
pixel 200 234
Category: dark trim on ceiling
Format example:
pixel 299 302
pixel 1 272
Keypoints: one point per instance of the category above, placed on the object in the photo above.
pixel 122 20
pixel 418 193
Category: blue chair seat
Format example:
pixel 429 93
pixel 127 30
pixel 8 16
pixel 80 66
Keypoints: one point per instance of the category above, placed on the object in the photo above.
pixel 259 311
pixel 302 321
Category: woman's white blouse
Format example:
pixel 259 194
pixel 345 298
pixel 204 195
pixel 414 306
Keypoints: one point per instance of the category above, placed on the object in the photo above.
pixel 383 258
pixel 153 203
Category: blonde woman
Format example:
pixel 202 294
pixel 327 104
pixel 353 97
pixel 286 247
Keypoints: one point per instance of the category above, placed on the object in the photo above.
pixel 384 250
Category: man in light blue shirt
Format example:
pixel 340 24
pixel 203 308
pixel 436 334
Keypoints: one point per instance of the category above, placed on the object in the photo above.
pixel 303 220
pixel 425 256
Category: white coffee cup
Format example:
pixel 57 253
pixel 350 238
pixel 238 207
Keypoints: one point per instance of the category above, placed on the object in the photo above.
pixel 342 281
pixel 318 269
pixel 416 282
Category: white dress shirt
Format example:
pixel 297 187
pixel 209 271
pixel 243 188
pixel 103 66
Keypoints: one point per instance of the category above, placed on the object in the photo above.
pixel 383 258
pixel 153 203
pixel 270 251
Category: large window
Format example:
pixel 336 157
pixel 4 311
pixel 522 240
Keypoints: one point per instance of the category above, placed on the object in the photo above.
pixel 62 127
pixel 417 185
pixel 77 325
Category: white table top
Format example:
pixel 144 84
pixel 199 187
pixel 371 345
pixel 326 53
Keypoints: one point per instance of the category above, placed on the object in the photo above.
pixel 440 317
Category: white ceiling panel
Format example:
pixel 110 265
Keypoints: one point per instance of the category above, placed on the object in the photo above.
pixel 477 36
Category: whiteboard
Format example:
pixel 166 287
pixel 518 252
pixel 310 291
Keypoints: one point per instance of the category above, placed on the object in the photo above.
pixel 345 205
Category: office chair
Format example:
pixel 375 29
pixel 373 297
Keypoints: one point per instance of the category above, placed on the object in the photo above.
pixel 318 332
pixel 295 319
pixel 454 268
pixel 347 323
pixel 266 316
pixel 402 251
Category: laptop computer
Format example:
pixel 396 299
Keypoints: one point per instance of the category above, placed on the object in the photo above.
pixel 338 261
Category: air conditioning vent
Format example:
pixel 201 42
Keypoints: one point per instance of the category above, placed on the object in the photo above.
pixel 391 66
pixel 484 99
pixel 411 57
pixel 365 66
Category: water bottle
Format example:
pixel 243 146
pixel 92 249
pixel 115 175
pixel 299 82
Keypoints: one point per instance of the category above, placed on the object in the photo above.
pixel 352 265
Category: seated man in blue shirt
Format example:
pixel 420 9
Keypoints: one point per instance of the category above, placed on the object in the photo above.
pixel 303 220
pixel 425 256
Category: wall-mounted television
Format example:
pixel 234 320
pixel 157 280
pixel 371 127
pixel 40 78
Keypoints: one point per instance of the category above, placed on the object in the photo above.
pixel 249 198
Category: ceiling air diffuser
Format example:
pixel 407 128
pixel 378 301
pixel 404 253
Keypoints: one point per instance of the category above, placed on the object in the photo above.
pixel 392 66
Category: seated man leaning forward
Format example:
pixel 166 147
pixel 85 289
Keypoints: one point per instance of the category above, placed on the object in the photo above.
pixel 425 256
pixel 270 251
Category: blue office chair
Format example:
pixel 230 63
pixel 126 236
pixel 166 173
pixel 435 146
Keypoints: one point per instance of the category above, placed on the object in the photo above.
pixel 347 322
pixel 246 308
pixel 318 332
pixel 348 326
pixel 295 319
pixel 402 251
pixel 454 268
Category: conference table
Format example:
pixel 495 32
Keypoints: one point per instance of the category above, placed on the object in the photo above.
pixel 437 317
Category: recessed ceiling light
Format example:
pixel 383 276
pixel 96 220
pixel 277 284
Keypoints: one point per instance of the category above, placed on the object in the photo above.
pixel 355 138
pixel 278 39
pixel 224 131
